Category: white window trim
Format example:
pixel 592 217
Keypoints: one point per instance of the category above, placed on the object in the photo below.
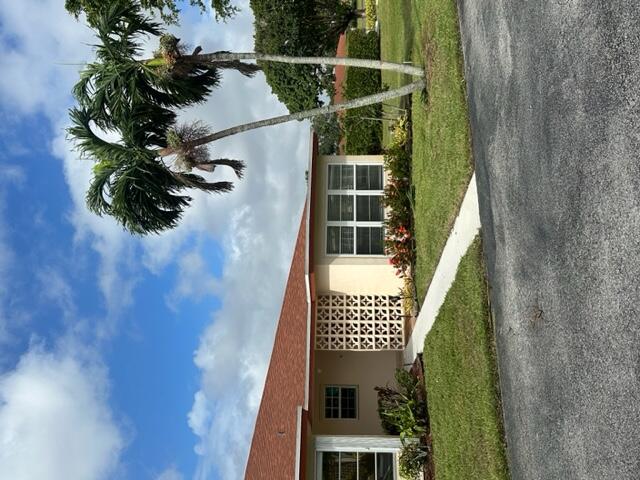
pixel 353 223
pixel 340 387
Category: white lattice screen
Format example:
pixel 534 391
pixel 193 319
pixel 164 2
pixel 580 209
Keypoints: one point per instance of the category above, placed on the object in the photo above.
pixel 359 322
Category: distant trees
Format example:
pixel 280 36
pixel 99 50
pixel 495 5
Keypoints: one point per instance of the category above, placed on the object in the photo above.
pixel 328 130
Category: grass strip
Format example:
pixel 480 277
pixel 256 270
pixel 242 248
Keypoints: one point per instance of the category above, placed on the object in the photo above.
pixel 462 382
pixel 426 33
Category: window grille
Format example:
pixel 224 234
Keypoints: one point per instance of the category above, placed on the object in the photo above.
pixel 359 322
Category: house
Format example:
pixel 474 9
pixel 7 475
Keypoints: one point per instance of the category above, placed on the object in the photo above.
pixel 340 334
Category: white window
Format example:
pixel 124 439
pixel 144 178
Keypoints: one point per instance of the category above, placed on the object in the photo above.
pixel 340 401
pixel 355 213
pixel 355 466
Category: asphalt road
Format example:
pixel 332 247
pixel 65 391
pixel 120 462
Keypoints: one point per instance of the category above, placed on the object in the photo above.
pixel 554 96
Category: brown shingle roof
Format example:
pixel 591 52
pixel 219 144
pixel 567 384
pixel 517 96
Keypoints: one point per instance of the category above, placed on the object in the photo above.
pixel 273 448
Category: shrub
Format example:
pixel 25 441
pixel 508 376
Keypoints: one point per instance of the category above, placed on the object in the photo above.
pixel 413 458
pixel 370 14
pixel 398 196
pixel 403 412
pixel 362 126
pixel 407 292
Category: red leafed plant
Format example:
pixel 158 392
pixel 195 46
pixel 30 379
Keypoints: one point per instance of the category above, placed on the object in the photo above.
pixel 398 196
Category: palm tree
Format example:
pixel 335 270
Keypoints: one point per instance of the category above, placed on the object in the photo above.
pixel 172 79
pixel 172 58
pixel 182 144
pixel 116 82
pixel 130 182
pixel 136 99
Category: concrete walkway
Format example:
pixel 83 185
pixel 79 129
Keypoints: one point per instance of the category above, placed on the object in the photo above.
pixel 464 231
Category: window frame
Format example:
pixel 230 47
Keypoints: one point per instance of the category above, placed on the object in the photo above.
pixel 354 224
pixel 340 388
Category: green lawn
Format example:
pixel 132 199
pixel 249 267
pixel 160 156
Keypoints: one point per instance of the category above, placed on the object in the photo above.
pixel 461 381
pixel 426 32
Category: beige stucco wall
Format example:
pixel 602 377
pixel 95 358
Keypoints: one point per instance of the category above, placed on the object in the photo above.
pixel 366 370
pixel 347 274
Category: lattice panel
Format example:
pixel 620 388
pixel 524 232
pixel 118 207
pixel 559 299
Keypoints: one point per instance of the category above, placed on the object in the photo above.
pixel 359 322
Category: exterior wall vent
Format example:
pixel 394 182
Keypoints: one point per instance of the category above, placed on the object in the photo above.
pixel 359 322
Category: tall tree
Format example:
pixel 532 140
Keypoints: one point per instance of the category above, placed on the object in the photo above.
pixel 141 179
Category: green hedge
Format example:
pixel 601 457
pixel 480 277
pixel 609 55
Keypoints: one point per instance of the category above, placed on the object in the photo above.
pixel 362 135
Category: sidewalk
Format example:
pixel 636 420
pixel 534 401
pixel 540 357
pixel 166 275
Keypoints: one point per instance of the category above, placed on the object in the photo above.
pixel 464 230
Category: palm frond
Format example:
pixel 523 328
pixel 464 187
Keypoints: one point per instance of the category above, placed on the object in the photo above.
pixel 191 180
pixel 180 137
pixel 246 69
pixel 146 125
pixel 119 93
pixel 99 188
pixel 124 19
pixel 118 81
pixel 238 166
pixel 89 144
pixel 145 198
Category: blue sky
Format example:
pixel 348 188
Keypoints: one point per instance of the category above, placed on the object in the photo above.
pixel 123 357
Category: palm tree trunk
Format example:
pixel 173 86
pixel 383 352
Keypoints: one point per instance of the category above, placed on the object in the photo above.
pixel 359 102
pixel 347 62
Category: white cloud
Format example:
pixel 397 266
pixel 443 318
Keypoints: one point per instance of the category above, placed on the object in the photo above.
pixel 55 290
pixel 194 280
pixel 12 174
pixel 170 473
pixel 200 415
pixel 43 47
pixel 55 422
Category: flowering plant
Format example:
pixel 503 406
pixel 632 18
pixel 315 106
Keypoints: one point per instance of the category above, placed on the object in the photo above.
pixel 398 196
